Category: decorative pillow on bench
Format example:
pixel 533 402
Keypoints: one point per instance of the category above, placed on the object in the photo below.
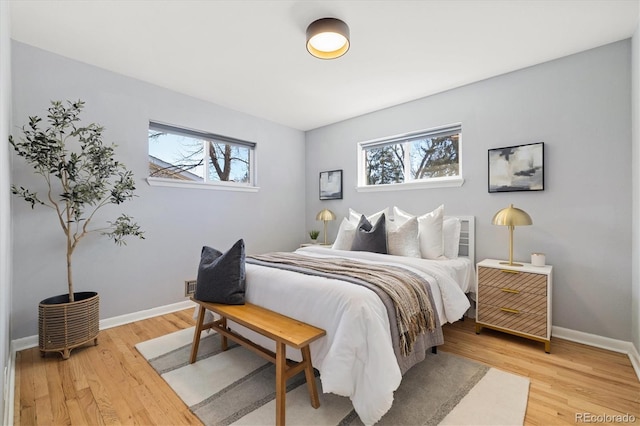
pixel 221 276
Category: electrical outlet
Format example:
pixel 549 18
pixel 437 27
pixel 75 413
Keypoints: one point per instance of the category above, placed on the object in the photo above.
pixel 189 288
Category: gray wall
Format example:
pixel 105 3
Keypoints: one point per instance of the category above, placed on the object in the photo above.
pixel 580 107
pixel 177 221
pixel 5 201
pixel 635 108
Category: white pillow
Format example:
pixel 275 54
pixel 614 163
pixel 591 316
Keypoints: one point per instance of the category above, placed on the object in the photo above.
pixel 430 231
pixel 346 234
pixel 402 240
pixel 354 216
pixel 451 233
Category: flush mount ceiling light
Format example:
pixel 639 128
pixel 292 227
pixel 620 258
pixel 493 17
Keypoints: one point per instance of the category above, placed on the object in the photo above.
pixel 327 38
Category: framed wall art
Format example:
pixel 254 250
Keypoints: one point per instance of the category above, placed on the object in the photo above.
pixel 517 168
pixel 331 185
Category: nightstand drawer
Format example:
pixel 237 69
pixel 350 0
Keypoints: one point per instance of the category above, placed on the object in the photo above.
pixel 513 299
pixel 512 319
pixel 524 282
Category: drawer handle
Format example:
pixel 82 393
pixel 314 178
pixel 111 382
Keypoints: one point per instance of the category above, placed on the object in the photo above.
pixel 509 271
pixel 511 311
pixel 510 290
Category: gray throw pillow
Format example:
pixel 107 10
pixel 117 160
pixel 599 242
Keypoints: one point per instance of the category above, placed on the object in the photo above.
pixel 369 237
pixel 221 276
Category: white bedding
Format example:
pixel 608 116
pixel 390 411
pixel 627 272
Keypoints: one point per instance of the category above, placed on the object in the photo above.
pixel 356 359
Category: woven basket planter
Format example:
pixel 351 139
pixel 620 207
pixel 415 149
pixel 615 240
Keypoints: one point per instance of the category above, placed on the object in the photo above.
pixel 65 325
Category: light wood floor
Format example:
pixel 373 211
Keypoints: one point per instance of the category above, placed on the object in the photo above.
pixel 112 384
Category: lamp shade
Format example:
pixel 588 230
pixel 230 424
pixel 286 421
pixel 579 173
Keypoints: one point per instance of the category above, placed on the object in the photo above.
pixel 326 214
pixel 328 38
pixel 511 216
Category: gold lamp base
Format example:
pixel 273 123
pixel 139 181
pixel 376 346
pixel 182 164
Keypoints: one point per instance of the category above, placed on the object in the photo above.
pixel 511 217
pixel 511 263
pixel 324 216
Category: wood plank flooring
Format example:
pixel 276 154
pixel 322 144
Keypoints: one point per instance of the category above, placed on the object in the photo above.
pixel 113 384
pixel 573 379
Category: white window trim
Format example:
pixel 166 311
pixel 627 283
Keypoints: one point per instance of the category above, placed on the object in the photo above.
pixel 207 184
pixel 443 182
pixel 440 182
pixel 217 186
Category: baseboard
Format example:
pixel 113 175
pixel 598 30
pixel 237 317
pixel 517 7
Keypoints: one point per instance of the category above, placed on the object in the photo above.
pixel 149 313
pixel 634 356
pixel 607 343
pixel 32 341
pixel 11 385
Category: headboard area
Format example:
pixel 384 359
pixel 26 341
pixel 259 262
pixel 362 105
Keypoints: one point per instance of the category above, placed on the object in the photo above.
pixel 467 246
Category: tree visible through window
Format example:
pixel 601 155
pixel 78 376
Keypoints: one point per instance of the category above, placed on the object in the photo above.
pixel 188 155
pixel 416 157
pixel 385 164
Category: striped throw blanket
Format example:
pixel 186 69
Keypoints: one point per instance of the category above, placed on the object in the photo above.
pixel 406 289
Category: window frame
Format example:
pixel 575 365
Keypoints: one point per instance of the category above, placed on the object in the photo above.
pixel 250 186
pixel 437 182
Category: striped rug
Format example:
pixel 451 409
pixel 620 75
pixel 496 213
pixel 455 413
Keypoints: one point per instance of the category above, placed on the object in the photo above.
pixel 238 387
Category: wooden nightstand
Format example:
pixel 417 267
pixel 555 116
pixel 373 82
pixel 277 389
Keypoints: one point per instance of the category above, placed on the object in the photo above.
pixel 515 300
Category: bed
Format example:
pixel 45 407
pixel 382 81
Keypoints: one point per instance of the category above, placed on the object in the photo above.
pixel 358 358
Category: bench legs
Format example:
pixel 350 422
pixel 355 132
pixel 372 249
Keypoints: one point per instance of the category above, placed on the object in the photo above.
pixel 200 326
pixel 308 374
pixel 196 335
pixel 223 339
pixel 283 371
pixel 281 382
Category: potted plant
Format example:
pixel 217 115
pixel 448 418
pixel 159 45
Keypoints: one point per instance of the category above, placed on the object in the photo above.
pixel 313 234
pixel 82 176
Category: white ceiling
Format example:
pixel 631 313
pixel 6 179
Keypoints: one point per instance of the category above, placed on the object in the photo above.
pixel 250 56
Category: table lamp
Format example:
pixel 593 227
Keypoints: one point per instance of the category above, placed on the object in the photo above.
pixel 511 217
pixel 325 215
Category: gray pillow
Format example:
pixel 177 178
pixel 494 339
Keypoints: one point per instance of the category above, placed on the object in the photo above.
pixel 221 276
pixel 369 237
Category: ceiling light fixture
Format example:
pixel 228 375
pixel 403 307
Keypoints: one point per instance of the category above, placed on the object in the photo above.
pixel 327 38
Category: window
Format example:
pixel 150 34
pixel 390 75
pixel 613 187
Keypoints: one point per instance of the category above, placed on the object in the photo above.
pixel 182 156
pixel 428 158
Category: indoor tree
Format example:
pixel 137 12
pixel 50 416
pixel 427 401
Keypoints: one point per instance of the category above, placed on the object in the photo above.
pixel 81 174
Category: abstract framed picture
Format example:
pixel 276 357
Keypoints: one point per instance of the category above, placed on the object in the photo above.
pixel 331 185
pixel 517 168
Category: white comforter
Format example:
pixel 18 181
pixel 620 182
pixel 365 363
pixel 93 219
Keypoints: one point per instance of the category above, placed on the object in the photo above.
pixel 356 358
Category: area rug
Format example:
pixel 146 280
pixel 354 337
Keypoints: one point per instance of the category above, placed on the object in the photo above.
pixel 238 387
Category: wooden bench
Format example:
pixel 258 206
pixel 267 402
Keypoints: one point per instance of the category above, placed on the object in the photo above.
pixel 283 330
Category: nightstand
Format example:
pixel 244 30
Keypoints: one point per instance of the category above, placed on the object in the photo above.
pixel 316 244
pixel 515 300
